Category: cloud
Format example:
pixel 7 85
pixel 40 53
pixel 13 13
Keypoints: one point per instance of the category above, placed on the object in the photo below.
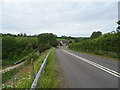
pixel 61 1
pixel 1 17
pixel 63 18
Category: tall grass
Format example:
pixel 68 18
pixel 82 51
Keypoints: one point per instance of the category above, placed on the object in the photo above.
pixel 23 73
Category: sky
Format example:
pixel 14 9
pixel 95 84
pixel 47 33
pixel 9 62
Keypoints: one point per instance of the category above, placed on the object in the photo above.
pixel 78 19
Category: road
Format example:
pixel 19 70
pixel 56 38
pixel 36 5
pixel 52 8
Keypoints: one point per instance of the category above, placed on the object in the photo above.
pixel 87 71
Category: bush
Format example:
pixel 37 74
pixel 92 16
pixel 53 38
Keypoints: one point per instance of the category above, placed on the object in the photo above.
pixel 43 47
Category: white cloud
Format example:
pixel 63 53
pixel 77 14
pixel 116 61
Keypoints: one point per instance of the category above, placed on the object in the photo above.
pixel 1 17
pixel 65 18
pixel 61 1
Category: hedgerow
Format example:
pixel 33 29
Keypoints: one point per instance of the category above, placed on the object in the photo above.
pixel 107 44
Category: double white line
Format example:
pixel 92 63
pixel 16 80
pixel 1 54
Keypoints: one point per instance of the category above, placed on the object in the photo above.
pixel 112 72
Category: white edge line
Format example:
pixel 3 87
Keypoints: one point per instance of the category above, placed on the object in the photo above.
pixel 96 65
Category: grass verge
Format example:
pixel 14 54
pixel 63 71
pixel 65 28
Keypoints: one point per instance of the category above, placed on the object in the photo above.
pixel 22 75
pixel 49 78
pixel 90 53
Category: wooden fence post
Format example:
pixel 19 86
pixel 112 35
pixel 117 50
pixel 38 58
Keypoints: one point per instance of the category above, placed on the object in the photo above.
pixel 32 66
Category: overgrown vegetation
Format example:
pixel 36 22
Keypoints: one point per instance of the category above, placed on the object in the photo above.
pixel 47 38
pixel 49 78
pixel 19 46
pixel 23 76
pixel 107 44
pixel 96 34
pixel 16 47
pixel 9 74
pixel 38 62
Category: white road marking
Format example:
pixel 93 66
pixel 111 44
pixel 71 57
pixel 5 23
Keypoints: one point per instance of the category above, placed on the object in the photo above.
pixel 112 72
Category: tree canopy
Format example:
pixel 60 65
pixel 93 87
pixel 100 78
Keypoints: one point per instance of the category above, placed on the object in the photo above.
pixel 47 38
pixel 15 47
pixel 96 34
pixel 118 28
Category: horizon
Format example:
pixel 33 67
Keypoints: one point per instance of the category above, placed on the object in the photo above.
pixel 54 34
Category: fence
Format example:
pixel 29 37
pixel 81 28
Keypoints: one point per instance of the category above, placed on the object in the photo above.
pixel 34 84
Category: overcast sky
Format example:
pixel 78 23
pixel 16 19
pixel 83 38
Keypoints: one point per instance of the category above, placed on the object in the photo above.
pixel 61 18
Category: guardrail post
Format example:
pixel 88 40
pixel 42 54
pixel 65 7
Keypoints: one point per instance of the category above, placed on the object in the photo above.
pixel 32 66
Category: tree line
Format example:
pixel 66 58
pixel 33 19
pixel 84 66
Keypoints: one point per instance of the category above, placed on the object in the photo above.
pixel 15 47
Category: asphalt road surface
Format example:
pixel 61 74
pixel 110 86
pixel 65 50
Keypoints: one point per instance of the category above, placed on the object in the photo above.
pixel 87 71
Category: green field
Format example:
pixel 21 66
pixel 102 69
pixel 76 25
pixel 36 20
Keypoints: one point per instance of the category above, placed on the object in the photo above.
pixel 61 39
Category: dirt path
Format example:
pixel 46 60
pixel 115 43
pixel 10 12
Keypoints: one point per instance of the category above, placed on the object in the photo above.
pixel 11 67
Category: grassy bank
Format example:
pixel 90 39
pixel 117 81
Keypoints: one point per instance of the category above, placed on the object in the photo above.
pixel 7 62
pixel 49 78
pixel 23 76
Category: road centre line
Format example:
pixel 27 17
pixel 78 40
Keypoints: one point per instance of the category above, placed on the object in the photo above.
pixel 112 72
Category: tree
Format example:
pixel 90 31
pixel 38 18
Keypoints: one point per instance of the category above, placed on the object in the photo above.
pixel 47 38
pixel 64 37
pixel 24 34
pixel 118 28
pixel 96 34
pixel 21 34
pixel 76 40
pixel 8 46
pixel 14 47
